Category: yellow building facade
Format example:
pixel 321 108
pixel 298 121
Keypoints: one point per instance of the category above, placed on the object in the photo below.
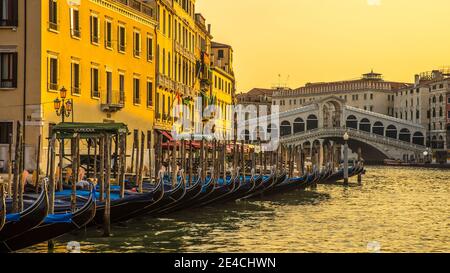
pixel 183 69
pixel 223 87
pixel 101 51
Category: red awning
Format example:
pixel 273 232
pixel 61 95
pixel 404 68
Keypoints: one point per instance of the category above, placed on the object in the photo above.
pixel 166 134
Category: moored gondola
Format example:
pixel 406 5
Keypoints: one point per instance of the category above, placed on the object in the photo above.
pixel 167 197
pixel 132 205
pixel 54 225
pixel 172 197
pixel 191 195
pixel 222 188
pixel 32 216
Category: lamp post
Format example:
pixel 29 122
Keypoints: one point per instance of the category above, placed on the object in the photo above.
pixel 346 137
pixel 62 107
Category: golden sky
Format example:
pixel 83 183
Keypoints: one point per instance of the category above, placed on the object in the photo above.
pixel 327 40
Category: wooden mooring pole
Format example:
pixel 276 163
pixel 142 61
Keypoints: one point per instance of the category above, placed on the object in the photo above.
pixel 359 163
pixel 17 160
pixel 75 151
pixel 122 162
pixel 38 167
pixel 10 167
pixel 140 175
pixel 52 184
pixel 107 215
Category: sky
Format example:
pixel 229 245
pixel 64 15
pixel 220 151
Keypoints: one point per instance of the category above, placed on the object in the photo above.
pixel 329 40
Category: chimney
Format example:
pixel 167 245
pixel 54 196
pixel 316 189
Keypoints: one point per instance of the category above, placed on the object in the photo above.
pixel 209 28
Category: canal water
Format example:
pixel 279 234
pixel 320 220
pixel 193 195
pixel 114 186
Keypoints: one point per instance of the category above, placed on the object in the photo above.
pixel 395 210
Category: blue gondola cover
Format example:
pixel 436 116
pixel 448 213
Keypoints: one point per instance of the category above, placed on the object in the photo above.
pixel 58 218
pixel 12 217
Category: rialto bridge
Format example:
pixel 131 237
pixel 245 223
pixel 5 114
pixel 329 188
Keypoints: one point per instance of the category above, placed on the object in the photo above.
pixel 319 127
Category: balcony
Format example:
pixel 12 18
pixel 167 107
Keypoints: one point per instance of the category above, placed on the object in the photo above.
pixel 165 82
pixel 139 6
pixel 113 102
pixel 185 52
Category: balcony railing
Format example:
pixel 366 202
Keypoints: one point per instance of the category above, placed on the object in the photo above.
pixel 139 6
pixel 8 84
pixel 113 102
pixel 9 23
pixel 165 81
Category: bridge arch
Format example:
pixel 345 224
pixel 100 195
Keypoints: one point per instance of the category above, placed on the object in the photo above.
pixel 391 131
pixel 365 125
pixel 378 128
pixel 312 122
pixel 299 125
pixel 352 122
pixel 418 138
pixel 405 135
pixel 285 128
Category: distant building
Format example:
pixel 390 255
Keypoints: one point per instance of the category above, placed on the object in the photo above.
pixel 370 93
pixel 425 102
pixel 223 83
pixel 258 97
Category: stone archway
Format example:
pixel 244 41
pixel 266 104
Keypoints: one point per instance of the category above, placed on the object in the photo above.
pixel 331 113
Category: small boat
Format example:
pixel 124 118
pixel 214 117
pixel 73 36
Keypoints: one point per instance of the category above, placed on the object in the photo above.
pixel 192 193
pixel 266 183
pixel 247 187
pixel 207 188
pixel 168 195
pixel 54 225
pixel 132 205
pixel 221 189
pixel 280 179
pixel 32 216
pixel 172 197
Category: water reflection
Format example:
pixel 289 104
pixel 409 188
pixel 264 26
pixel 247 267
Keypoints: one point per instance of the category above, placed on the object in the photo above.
pixel 395 210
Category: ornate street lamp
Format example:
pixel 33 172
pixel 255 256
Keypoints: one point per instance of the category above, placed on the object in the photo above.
pixel 62 107
pixel 346 137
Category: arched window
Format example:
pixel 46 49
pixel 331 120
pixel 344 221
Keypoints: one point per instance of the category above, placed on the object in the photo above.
pixel 299 125
pixel 312 122
pixel 285 128
pixel 418 138
pixel 365 125
pixel 434 99
pixel 391 131
pixel 352 122
pixel 405 135
pixel 441 98
pixel 378 128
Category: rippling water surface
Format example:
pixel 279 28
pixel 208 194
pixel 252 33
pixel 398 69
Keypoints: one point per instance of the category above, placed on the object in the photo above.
pixel 398 209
